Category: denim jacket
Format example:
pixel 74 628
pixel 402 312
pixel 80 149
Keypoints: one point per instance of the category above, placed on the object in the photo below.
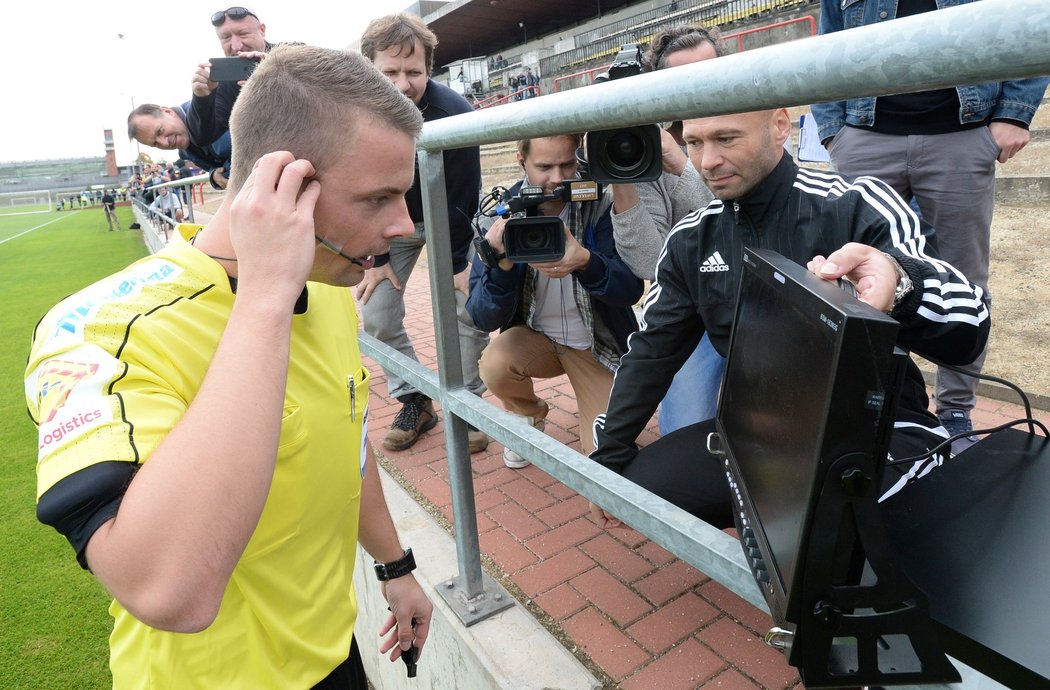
pixel 1007 100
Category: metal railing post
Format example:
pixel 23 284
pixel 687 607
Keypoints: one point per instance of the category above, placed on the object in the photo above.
pixel 472 595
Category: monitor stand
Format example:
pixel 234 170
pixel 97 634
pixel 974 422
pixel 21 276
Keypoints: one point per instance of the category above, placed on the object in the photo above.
pixel 973 535
pixel 861 621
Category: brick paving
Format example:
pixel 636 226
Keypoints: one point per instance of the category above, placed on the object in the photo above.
pixel 640 615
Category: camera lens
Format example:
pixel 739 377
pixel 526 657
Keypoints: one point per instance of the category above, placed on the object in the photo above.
pixel 625 149
pixel 627 154
pixel 533 238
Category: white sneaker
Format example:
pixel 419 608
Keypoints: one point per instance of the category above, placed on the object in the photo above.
pixel 514 460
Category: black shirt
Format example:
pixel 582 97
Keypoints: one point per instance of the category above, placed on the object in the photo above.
pixel 924 112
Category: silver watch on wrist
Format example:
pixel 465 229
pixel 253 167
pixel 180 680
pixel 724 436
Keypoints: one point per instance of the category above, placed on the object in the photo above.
pixel 904 284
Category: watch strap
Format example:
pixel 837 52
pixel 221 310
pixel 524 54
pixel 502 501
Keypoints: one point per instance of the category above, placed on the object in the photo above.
pixel 904 285
pixel 400 567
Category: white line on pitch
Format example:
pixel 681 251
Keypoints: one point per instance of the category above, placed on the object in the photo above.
pixel 26 232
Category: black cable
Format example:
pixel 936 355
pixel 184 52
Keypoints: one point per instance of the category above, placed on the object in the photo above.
pixel 995 379
pixel 948 441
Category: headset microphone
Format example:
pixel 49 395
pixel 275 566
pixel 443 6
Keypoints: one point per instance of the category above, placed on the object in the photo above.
pixel 338 250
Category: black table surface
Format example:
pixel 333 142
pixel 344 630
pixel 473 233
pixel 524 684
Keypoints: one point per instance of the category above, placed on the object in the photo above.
pixel 973 535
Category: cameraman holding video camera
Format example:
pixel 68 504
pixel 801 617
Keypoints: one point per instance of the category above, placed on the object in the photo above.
pixel 568 316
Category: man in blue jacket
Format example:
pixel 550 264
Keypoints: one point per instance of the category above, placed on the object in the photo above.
pixel 570 316
pixel 166 129
pixel 940 148
pixel 402 48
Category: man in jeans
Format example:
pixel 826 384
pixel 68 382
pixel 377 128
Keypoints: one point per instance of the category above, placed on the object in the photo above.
pixel 939 148
pixel 402 48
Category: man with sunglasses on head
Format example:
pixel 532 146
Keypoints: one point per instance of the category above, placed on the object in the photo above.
pixel 241 34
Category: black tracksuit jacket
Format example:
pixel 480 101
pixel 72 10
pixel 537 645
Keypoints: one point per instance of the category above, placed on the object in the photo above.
pixel 798 213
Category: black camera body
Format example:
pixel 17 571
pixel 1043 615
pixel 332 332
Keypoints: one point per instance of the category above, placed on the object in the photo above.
pixel 529 237
pixel 534 239
pixel 628 154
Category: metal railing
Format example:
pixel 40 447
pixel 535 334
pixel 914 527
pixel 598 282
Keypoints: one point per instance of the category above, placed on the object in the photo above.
pixel 145 217
pixel 990 40
pixel 739 35
pixel 586 77
pixel 501 98
pixel 577 79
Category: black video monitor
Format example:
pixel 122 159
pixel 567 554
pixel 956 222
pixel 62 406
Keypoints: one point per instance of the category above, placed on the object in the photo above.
pixel 811 376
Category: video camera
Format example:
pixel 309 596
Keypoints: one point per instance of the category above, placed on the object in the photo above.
pixel 529 237
pixel 628 154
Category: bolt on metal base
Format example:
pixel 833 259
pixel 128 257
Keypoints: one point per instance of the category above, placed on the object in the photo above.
pixel 470 610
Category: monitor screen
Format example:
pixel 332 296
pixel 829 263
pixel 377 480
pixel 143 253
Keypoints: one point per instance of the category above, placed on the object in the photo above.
pixel 808 379
pixel 772 424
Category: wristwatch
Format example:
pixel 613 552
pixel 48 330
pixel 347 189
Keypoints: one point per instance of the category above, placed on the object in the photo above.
pixel 398 568
pixel 904 284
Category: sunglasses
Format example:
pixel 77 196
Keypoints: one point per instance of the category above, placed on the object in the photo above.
pixel 233 13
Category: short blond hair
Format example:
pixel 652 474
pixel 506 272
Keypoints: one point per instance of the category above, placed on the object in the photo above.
pixel 308 100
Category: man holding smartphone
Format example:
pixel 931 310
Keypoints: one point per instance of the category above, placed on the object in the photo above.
pixel 241 35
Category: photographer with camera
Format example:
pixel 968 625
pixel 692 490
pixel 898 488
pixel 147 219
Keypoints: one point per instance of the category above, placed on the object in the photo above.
pixel 644 213
pixel 571 315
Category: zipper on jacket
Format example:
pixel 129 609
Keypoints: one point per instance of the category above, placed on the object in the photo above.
pixel 736 211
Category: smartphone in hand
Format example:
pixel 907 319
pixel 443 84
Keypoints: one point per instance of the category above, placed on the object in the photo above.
pixel 232 68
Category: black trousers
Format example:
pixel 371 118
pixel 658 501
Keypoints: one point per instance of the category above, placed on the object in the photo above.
pixel 678 468
pixel 349 675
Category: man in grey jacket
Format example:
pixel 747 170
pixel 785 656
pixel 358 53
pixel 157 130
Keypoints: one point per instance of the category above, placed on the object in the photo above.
pixel 644 213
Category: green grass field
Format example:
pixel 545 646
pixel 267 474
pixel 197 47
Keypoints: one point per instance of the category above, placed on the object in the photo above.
pixel 53 615
pixel 23 209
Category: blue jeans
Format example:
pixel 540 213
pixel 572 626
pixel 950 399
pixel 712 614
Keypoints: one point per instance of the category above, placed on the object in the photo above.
pixel 693 395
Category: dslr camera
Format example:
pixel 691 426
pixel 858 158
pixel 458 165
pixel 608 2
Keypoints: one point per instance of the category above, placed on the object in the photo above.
pixel 630 154
pixel 529 237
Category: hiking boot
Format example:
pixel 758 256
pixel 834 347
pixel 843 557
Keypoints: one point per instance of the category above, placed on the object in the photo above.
pixel 416 416
pixel 957 421
pixel 477 440
pixel 514 460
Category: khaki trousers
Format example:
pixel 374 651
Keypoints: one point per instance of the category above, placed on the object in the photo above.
pixel 520 354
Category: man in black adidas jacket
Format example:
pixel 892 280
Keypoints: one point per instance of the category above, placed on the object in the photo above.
pixel 860 230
